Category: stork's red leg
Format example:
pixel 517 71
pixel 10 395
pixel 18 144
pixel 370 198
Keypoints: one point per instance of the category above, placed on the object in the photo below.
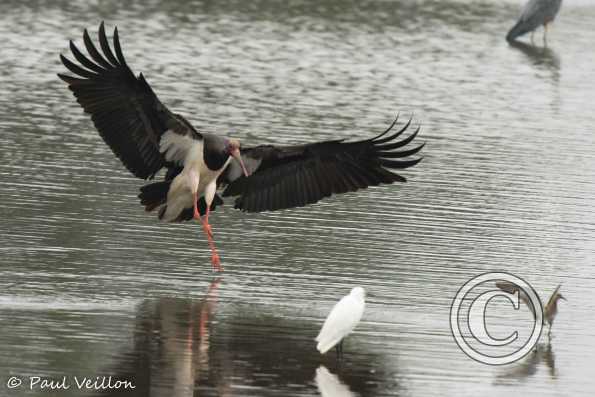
pixel 209 232
pixel 215 260
pixel 204 321
pixel 206 226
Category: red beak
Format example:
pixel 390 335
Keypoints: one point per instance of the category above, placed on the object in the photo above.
pixel 235 153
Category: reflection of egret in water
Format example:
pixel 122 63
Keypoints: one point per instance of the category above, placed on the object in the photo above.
pixel 329 385
pixel 529 366
pixel 179 350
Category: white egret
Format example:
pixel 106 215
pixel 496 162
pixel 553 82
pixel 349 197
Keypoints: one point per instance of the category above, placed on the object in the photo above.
pixel 341 321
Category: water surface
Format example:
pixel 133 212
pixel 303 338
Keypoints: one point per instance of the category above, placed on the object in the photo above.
pixel 90 285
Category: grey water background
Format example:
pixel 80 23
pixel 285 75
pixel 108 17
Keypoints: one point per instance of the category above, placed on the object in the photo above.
pixel 90 285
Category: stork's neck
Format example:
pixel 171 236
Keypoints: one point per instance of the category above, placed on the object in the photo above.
pixel 195 157
pixel 215 160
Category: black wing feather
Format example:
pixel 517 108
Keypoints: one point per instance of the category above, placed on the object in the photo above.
pixel 84 60
pixel 125 110
pixel 92 50
pixel 294 176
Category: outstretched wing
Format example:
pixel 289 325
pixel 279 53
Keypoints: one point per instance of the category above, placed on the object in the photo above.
pixel 295 176
pixel 125 110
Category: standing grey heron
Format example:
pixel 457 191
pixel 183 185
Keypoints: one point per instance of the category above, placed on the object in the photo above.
pixel 535 14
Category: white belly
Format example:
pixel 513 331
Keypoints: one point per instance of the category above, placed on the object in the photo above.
pixel 180 194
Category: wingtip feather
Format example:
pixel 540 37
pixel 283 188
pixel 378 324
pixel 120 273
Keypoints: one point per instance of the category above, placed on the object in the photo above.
pixel 393 136
pixel 105 47
pixel 118 47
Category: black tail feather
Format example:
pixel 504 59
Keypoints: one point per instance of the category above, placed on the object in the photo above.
pixel 188 213
pixel 154 194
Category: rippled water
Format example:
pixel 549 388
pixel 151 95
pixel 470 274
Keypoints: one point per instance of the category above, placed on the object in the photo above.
pixel 90 285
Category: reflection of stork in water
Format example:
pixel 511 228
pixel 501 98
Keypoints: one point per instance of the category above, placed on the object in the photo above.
pixel 171 352
pixel 185 340
pixel 204 311
pixel 179 350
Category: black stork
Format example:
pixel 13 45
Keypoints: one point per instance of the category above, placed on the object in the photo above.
pixel 146 136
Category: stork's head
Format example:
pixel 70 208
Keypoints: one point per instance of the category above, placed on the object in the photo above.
pixel 232 147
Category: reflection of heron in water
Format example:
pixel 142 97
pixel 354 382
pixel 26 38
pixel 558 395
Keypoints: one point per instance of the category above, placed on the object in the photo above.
pixel 546 60
pixel 539 55
pixel 528 367
pixel 180 351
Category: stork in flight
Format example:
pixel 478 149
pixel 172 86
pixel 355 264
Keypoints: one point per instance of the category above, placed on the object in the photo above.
pixel 146 136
